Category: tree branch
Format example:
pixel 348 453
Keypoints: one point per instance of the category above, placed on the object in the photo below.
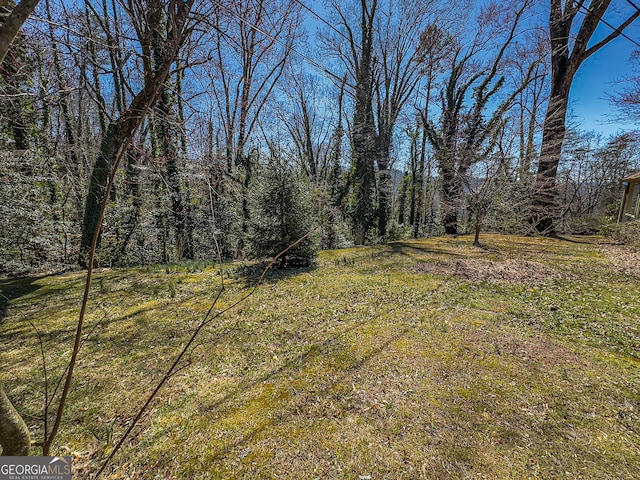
pixel 11 26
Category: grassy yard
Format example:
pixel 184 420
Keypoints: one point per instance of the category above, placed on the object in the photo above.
pixel 420 359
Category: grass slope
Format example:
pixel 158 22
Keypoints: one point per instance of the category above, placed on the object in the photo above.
pixel 420 359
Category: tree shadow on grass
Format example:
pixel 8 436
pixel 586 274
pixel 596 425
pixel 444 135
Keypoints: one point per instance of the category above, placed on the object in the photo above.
pixel 419 252
pixel 302 398
pixel 15 288
pixel 584 240
pixel 284 373
pixel 408 246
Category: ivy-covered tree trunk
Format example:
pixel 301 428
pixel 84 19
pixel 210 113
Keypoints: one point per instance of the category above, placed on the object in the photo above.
pixel 131 215
pixel 116 134
pixel 364 135
pixel 168 151
pixel 15 75
pixel 15 439
pixel 166 125
pixel 363 182
pixel 466 134
pixel 451 190
pixel 403 194
pixel 384 183
pixel 416 179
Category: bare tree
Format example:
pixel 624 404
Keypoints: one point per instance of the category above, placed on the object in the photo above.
pixel 464 136
pixel 252 43
pixel 376 43
pixel 308 124
pixel 395 80
pixel 588 179
pixel 434 48
pixel 571 28
pixel 530 101
pixel 174 22
pixel 166 132
pixel 357 57
pixel 628 99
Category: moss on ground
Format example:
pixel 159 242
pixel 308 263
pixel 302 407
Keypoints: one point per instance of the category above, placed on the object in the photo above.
pixel 418 359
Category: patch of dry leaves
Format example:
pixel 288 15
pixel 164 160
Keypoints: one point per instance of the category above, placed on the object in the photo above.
pixel 622 259
pixel 503 271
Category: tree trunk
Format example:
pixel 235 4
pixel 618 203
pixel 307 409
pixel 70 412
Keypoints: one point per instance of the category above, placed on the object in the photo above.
pixel 364 184
pixel 417 161
pixel 544 207
pixel 11 26
pixel 168 151
pixel 384 193
pixel 15 91
pixel 450 197
pixel 109 147
pixel 116 137
pixel 119 132
pixel 568 52
pixel 364 137
pixel 131 215
pixel 479 214
pixel 404 199
pixel 14 434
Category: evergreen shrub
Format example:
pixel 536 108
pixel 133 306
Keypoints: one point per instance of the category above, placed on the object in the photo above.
pixel 281 214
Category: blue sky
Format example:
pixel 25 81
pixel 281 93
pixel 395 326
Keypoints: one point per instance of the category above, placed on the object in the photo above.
pixel 596 79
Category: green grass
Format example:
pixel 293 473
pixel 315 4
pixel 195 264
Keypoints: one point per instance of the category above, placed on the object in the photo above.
pixel 420 359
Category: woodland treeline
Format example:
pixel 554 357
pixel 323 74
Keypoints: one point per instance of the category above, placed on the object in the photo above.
pixel 235 128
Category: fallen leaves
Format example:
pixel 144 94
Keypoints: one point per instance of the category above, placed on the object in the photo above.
pixel 492 271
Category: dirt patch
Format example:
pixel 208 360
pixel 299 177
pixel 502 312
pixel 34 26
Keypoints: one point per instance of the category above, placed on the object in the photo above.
pixel 540 350
pixel 505 271
pixel 622 259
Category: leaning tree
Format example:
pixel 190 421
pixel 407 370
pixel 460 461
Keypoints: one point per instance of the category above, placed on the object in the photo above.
pixel 572 25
